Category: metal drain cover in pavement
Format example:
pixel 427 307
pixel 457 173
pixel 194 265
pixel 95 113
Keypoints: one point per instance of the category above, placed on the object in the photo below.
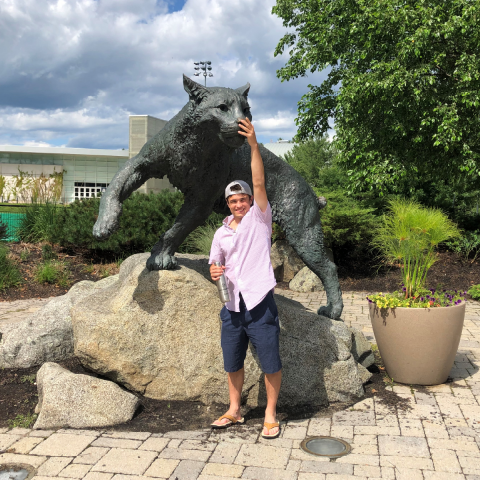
pixel 16 472
pixel 325 447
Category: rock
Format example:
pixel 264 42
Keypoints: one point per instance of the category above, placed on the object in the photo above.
pixel 199 263
pixel 362 350
pixel 306 281
pixel 73 400
pixel 158 334
pixel 47 335
pixel 285 261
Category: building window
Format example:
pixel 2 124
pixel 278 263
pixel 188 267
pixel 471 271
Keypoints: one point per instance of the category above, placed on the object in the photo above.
pixel 89 190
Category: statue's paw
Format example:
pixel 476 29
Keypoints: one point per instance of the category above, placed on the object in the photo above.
pixel 108 219
pixel 103 228
pixel 161 261
pixel 331 311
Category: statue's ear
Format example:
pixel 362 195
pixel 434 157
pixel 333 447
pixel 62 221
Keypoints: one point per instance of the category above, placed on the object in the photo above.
pixel 195 91
pixel 243 90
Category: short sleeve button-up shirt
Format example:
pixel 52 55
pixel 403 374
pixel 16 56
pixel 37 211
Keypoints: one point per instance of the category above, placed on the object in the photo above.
pixel 245 252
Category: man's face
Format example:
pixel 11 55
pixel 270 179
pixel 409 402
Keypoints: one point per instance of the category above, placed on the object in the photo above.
pixel 239 205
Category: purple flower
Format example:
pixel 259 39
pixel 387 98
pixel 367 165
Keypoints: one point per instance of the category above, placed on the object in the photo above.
pixel 422 299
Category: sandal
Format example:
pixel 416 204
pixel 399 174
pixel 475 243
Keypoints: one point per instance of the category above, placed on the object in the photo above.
pixel 269 427
pixel 232 421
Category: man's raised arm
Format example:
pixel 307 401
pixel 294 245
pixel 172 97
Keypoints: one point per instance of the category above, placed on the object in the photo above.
pixel 258 173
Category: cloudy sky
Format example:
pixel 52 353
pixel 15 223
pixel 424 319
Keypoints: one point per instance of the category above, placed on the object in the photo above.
pixel 71 71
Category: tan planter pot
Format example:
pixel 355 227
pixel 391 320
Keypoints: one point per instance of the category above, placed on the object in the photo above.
pixel 418 345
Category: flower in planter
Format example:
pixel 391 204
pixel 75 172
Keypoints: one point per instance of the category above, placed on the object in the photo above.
pixel 408 237
pixel 419 300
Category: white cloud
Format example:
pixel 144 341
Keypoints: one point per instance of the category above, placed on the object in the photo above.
pixel 31 143
pixel 71 71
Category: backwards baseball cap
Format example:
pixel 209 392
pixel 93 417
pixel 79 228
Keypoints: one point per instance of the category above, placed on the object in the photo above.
pixel 237 186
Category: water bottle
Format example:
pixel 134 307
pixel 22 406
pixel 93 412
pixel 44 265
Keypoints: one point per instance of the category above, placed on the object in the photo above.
pixel 222 287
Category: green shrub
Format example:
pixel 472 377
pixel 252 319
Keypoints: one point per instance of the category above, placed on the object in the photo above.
pixel 311 158
pixel 467 246
pixel 144 219
pixel 475 292
pixel 38 222
pixel 347 221
pixel 53 272
pixel 48 253
pixel 9 273
pixel 200 240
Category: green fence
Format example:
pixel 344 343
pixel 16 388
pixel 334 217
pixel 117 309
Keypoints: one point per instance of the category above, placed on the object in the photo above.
pixel 12 221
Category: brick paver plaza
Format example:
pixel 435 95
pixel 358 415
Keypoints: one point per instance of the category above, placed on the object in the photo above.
pixel 437 438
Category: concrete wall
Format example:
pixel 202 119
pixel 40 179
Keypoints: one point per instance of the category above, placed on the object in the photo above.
pixel 142 129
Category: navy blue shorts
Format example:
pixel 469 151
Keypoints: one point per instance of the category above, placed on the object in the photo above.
pixel 259 326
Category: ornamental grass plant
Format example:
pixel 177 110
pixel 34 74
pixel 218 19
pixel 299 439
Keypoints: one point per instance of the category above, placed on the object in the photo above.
pixel 10 275
pixel 408 237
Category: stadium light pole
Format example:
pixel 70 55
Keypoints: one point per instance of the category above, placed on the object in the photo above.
pixel 203 68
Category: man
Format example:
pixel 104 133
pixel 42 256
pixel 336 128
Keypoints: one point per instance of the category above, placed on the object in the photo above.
pixel 242 245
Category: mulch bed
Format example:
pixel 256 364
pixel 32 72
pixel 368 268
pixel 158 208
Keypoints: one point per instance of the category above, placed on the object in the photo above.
pixel 18 397
pixel 18 392
pixel 81 264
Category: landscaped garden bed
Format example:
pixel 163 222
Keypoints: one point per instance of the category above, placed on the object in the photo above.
pixel 19 398
pixel 65 267
pixel 19 392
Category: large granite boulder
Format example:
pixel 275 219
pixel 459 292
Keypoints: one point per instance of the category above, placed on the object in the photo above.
pixel 361 348
pixel 158 334
pixel 66 399
pixel 46 335
pixel 306 281
pixel 285 261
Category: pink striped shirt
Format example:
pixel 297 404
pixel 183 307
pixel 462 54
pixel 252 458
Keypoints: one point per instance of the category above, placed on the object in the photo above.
pixel 245 252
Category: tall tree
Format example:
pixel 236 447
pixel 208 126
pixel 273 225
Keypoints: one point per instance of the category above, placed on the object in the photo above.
pixel 403 84
pixel 311 157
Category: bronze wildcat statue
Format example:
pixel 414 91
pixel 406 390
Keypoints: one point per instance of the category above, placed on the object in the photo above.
pixel 201 152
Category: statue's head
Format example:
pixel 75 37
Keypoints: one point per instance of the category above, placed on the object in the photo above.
pixel 220 109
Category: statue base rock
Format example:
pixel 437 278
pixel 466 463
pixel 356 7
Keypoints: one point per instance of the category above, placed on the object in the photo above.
pixel 158 334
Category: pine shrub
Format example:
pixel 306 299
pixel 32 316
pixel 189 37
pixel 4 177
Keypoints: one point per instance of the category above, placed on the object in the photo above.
pixel 347 221
pixel 144 218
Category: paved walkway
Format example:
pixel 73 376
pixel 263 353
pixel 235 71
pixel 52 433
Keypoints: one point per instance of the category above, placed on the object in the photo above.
pixel 437 438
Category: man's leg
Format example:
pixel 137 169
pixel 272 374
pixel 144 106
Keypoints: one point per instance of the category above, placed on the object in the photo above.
pixel 235 384
pixel 273 382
